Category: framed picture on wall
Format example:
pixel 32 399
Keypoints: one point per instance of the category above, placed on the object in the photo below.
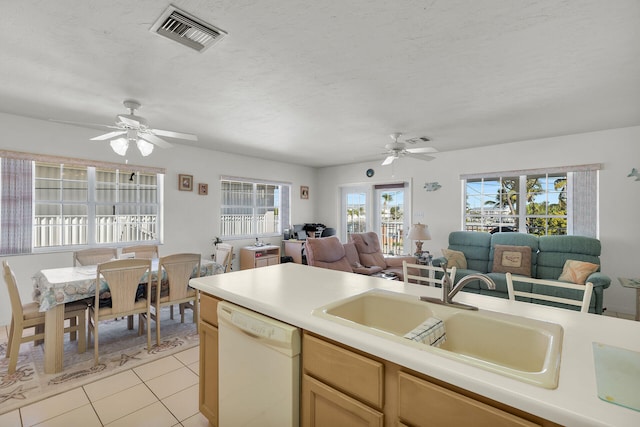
pixel 185 182
pixel 203 189
pixel 304 192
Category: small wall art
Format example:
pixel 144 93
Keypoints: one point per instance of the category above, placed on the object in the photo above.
pixel 185 182
pixel 304 192
pixel 432 186
pixel 203 189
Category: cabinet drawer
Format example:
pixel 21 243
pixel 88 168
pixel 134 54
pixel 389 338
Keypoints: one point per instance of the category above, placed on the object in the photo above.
pixel 208 309
pixel 422 403
pixel 344 370
pixel 262 262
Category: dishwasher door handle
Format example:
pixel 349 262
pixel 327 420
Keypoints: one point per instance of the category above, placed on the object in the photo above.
pixel 270 332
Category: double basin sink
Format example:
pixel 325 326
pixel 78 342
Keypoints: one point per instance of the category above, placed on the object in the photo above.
pixel 521 348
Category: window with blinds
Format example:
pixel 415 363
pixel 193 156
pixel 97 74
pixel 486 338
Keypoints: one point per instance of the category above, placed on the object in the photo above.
pixel 555 201
pixel 49 202
pixel 252 208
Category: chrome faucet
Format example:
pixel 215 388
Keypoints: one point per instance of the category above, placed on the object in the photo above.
pixel 449 290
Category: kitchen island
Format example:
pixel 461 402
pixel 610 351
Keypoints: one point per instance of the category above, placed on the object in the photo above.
pixel 290 292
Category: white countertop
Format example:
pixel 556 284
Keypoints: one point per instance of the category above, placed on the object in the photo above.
pixel 290 292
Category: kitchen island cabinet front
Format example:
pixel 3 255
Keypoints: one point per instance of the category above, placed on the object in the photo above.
pixel 292 292
pixel 208 365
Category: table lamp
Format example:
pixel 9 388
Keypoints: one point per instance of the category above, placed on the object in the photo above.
pixel 419 232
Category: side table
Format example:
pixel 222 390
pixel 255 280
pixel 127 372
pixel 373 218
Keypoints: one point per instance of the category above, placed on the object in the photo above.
pixel 633 283
pixel 426 260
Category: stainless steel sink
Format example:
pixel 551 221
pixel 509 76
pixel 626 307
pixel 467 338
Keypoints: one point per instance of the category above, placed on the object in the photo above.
pixel 525 349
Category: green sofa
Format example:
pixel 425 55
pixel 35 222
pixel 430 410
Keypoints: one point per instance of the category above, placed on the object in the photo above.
pixel 548 256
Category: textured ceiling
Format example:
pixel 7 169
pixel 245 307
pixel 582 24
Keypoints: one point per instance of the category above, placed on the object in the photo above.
pixel 325 82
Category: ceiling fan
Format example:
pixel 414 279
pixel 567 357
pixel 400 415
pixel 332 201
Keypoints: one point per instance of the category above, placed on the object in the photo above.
pixel 130 128
pixel 397 149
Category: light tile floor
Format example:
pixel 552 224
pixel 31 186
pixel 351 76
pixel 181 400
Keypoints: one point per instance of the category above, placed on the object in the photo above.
pixel 160 393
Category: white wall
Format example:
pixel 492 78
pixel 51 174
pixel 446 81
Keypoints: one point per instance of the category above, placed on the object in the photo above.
pixel 191 220
pixel 618 150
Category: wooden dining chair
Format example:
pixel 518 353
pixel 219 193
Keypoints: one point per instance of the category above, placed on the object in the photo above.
pixel 224 256
pixel 179 268
pixel 94 256
pixel 25 316
pixel 122 277
pixel 142 251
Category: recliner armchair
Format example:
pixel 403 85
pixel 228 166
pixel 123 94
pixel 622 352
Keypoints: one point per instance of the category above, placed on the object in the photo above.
pixel 370 254
pixel 328 252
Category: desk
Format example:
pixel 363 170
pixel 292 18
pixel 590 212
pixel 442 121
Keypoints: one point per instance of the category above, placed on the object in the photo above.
pixel 293 248
pixel 57 286
pixel 633 283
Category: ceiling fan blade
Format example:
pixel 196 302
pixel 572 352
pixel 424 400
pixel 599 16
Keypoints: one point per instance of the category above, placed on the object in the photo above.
pixel 422 150
pixel 85 124
pixel 172 134
pixel 129 121
pixel 388 160
pixel 154 140
pixel 108 135
pixel 420 157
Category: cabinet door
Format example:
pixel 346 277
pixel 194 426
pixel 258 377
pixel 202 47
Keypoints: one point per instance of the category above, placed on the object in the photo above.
pixel 324 406
pixel 421 403
pixel 208 403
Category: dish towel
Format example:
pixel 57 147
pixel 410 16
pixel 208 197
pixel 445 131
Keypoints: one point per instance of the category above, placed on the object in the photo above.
pixel 430 332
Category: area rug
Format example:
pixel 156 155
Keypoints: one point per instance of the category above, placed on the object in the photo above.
pixel 120 349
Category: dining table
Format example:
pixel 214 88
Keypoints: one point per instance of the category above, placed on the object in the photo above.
pixel 54 287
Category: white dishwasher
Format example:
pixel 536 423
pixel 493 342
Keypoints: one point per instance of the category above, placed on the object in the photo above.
pixel 259 369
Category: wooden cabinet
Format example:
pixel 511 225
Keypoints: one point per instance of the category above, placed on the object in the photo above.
pixel 421 402
pixel 259 256
pixel 344 386
pixel 208 399
pixel 340 387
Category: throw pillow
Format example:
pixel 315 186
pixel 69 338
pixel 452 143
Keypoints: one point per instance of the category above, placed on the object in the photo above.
pixel 455 258
pixel 577 271
pixel 512 259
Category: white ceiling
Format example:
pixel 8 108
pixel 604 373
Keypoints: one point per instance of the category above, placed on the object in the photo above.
pixel 325 82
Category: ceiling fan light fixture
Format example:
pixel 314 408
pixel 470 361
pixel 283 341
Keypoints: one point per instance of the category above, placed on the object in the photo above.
pixel 133 129
pixel 120 146
pixel 145 147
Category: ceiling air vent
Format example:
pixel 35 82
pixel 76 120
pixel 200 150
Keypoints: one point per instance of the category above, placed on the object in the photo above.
pixel 186 29
pixel 418 139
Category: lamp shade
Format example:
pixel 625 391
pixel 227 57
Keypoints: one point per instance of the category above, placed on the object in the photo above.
pixel 419 232
pixel 145 147
pixel 120 146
